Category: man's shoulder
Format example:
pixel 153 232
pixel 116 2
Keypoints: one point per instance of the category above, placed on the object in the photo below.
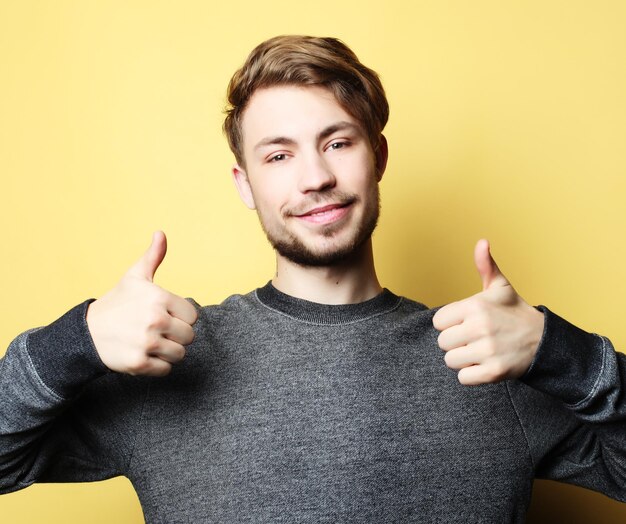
pixel 413 304
pixel 414 308
pixel 230 304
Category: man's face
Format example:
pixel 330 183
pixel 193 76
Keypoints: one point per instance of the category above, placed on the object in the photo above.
pixel 311 174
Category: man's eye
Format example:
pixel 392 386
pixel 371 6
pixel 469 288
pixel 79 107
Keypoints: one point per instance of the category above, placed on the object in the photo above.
pixel 338 145
pixel 278 158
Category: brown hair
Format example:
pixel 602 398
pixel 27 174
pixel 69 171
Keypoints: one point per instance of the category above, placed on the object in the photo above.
pixel 308 61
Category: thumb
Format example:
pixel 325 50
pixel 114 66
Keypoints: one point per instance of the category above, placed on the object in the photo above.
pixel 146 266
pixel 488 270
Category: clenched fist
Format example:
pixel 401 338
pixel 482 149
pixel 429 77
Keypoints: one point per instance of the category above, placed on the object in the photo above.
pixel 138 327
pixel 493 335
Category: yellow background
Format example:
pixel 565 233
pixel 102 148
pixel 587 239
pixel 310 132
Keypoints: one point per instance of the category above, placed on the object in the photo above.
pixel 508 120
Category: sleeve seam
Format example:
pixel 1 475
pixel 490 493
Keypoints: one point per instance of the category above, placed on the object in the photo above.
pixel 47 388
pixel 596 384
pixel 139 425
pixel 521 425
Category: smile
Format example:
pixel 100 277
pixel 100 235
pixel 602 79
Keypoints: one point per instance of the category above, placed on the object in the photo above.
pixel 326 214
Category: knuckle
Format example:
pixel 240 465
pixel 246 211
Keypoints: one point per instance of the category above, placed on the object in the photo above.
pixel 485 325
pixel 481 308
pixel 157 320
pixel 180 354
pixel 190 337
pixel 137 364
pixel 151 343
pixel 157 296
pixel 490 347
pixel 475 306
pixel 482 313
pixel 497 372
pixel 175 353
pixel 157 292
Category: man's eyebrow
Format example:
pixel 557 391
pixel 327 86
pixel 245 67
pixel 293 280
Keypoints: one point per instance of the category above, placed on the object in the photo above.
pixel 273 140
pixel 339 126
pixel 324 133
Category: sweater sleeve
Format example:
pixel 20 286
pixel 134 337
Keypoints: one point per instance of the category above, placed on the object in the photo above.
pixel 572 406
pixel 63 416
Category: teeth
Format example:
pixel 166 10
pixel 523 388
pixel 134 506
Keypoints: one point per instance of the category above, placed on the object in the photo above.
pixel 324 212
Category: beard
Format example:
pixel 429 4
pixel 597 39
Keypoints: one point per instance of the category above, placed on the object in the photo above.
pixel 293 248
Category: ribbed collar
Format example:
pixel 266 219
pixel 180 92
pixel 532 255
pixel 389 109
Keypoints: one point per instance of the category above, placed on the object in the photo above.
pixel 315 313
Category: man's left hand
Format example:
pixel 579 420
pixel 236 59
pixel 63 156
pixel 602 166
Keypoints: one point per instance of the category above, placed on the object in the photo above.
pixel 493 335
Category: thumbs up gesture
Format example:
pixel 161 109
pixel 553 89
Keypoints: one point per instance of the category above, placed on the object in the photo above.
pixel 138 327
pixel 490 336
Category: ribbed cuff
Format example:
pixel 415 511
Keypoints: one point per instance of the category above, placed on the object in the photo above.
pixel 64 354
pixel 568 361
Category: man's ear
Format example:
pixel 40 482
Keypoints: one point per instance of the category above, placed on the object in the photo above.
pixel 381 154
pixel 243 186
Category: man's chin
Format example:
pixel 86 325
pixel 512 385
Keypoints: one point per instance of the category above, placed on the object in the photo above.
pixel 302 255
pixel 334 245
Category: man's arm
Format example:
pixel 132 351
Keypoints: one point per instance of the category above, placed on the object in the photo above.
pixel 42 376
pixel 572 406
pixel 571 394
pixel 53 411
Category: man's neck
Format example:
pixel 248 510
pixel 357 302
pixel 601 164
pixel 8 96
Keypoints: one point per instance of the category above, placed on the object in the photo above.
pixel 350 282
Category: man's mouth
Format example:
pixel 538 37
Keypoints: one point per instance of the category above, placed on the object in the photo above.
pixel 325 214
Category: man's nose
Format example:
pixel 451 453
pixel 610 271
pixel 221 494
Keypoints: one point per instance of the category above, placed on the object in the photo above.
pixel 315 174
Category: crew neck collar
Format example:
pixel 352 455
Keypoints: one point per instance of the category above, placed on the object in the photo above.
pixel 315 313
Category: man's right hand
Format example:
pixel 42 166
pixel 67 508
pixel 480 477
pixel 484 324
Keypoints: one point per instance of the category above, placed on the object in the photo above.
pixel 138 327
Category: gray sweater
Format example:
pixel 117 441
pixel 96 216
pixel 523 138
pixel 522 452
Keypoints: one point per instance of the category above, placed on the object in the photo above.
pixel 289 411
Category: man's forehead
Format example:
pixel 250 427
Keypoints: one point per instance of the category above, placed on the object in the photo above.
pixel 291 111
pixel 274 93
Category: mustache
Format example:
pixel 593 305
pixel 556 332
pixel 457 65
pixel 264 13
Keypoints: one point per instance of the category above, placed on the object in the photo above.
pixel 321 199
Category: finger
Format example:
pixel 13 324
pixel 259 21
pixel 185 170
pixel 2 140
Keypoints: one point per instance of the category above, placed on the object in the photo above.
pixel 169 351
pixel 452 314
pixel 456 336
pixel 182 309
pixel 152 366
pixel 488 372
pixel 472 375
pixel 487 268
pixel 179 331
pixel 150 261
pixel 461 357
pixel 157 367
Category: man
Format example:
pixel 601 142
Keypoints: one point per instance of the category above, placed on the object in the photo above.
pixel 320 397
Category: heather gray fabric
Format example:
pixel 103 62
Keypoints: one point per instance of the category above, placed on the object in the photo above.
pixel 288 411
